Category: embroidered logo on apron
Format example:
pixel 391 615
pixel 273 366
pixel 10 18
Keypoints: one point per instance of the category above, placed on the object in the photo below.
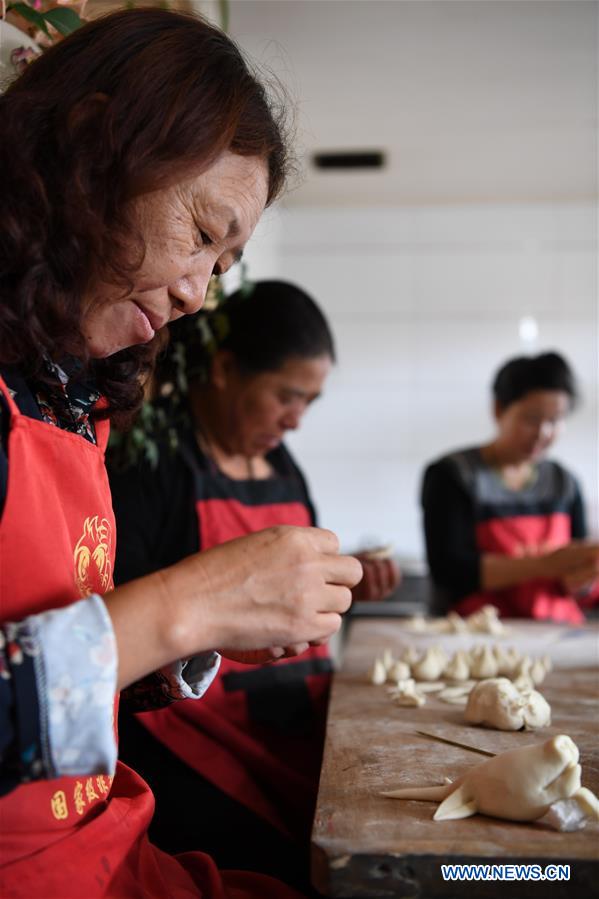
pixel 92 557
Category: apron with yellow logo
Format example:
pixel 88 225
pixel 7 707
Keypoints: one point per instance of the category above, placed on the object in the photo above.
pixel 80 837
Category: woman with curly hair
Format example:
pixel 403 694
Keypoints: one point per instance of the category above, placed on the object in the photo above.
pixel 136 157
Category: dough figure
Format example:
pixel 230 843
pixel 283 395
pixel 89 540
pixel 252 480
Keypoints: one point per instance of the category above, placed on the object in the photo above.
pixel 506 662
pixel 378 673
pixel 458 694
pixel 537 672
pixel 431 665
pixel 483 663
pixel 410 655
pixel 459 667
pixel 484 621
pixel 519 785
pixel 388 659
pixel 405 693
pixel 398 671
pixel 456 623
pixel 499 703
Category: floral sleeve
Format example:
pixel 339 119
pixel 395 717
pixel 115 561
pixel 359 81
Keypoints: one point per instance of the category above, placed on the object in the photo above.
pixel 185 679
pixel 57 686
pixel 58 674
pixel 77 676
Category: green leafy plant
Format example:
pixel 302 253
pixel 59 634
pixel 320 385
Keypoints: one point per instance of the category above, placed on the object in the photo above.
pixel 51 20
pixel 193 342
pixel 61 18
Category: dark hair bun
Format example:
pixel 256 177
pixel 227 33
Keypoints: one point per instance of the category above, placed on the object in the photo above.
pixel 523 374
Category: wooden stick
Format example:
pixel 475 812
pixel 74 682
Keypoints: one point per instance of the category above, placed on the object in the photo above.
pixel 423 733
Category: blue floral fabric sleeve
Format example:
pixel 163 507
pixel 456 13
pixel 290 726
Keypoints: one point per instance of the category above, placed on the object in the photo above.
pixel 57 686
pixel 76 674
pixel 58 673
pixel 185 679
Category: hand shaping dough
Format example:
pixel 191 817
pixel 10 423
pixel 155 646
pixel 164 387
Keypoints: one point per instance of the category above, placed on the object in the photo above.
pixel 498 703
pixel 519 785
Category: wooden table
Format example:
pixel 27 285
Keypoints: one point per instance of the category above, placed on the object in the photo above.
pixel 365 846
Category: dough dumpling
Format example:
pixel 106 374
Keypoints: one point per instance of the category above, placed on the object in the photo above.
pixel 498 703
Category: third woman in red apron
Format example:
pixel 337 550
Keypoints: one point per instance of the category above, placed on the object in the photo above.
pixel 505 525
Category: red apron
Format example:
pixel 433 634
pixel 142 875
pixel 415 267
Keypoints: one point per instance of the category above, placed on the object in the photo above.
pixel 245 736
pixel 525 535
pixel 80 837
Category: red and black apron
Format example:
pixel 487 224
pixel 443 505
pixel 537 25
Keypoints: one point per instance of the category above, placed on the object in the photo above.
pixel 257 734
pixel 491 518
pixel 525 535
pixel 80 837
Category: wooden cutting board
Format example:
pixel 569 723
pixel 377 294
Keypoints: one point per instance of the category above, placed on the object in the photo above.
pixel 366 845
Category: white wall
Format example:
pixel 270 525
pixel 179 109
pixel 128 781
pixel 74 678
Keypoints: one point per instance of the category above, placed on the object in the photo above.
pixel 425 304
pixel 471 101
pixel 485 212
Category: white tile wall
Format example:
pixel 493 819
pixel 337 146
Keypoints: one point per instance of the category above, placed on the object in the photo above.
pixel 425 305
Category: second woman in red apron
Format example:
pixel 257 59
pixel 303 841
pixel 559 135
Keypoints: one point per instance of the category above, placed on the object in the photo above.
pixel 254 747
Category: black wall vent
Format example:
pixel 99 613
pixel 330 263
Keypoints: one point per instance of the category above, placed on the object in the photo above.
pixel 349 159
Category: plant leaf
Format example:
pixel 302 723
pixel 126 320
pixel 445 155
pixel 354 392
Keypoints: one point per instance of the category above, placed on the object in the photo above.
pixel 31 15
pixel 63 19
pixel 224 15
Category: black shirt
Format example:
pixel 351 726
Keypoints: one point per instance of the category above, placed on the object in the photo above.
pixel 459 490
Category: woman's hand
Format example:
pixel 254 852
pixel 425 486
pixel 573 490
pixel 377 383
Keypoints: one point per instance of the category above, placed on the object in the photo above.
pixel 380 578
pixel 577 560
pixel 273 589
pixel 264 656
pixel 581 581
pixel 583 577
